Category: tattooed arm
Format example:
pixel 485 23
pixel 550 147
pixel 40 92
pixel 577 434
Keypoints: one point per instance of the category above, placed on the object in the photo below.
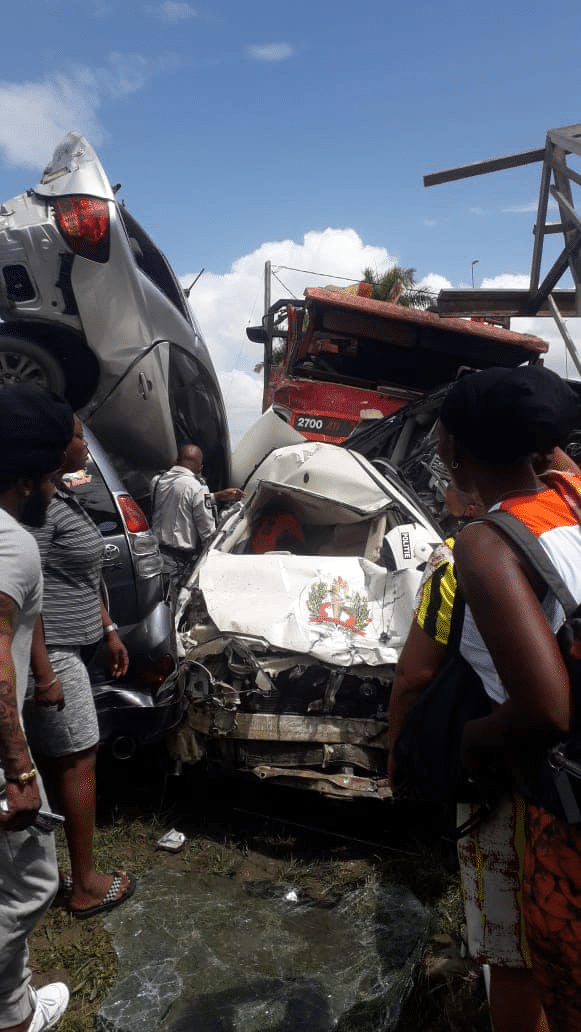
pixel 23 800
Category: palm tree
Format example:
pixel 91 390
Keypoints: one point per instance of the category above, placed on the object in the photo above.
pixel 398 285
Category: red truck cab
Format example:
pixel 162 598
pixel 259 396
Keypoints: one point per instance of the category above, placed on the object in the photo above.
pixel 337 359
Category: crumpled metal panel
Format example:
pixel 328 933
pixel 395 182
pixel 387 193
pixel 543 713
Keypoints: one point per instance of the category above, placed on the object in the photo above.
pixel 340 786
pixel 343 611
pixel 325 471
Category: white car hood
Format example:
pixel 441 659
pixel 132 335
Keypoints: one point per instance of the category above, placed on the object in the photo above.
pixel 341 610
pixel 320 470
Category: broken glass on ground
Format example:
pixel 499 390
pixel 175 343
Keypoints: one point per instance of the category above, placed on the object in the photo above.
pixel 212 955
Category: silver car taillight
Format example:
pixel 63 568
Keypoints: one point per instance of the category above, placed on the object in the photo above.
pixel 84 223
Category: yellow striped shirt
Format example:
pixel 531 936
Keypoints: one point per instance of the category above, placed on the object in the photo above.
pixel 436 600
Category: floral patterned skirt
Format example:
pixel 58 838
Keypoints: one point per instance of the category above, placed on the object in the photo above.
pixel 552 912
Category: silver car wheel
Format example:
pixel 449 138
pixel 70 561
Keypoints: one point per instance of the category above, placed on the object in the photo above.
pixel 22 361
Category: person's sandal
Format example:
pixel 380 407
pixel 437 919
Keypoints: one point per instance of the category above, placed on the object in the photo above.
pixel 111 899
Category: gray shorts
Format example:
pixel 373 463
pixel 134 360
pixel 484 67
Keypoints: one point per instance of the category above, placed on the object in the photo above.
pixel 53 732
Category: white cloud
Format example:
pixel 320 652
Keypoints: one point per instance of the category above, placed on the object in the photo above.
pixel 173 12
pixel 243 398
pixel 557 357
pixel 123 74
pixel 545 327
pixel 226 304
pixel 506 281
pixel 519 209
pixel 532 206
pixel 271 52
pixel 434 282
pixel 35 115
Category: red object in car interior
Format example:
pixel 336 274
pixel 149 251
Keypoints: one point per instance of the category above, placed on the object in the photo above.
pixel 84 222
pixel 135 519
pixel 154 672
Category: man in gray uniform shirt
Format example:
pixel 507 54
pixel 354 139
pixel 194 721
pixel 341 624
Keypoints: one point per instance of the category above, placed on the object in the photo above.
pixel 184 512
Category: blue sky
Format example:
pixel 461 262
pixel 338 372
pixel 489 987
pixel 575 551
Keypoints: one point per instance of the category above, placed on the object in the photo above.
pixel 297 132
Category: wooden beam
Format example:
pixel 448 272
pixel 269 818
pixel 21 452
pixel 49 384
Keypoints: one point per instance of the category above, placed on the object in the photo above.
pixel 479 168
pixel 538 300
pixel 548 228
pixel 541 219
pixel 563 202
pixel 560 166
pixel 568 138
pixel 515 303
pixel 570 219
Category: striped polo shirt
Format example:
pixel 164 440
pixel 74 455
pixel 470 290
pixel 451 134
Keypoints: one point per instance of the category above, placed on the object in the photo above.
pixel 557 528
pixel 71 552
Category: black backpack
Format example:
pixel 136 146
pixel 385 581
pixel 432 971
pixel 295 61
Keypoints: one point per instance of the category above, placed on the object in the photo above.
pixel 427 753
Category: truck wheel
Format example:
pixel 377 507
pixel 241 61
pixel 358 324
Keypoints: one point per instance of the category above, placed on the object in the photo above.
pixel 21 361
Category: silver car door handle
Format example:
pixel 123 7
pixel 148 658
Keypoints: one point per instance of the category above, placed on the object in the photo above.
pixel 145 386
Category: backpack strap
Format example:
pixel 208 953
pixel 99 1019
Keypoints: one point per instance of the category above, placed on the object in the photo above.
pixel 456 621
pixel 527 542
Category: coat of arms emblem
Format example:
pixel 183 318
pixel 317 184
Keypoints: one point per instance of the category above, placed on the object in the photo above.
pixel 336 605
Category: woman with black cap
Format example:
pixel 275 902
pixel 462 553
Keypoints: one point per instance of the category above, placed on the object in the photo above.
pixel 491 423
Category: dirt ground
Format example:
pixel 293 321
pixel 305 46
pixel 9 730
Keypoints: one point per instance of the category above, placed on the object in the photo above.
pixel 251 832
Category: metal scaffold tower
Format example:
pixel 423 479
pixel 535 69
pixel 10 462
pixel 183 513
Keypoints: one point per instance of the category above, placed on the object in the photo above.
pixel 541 298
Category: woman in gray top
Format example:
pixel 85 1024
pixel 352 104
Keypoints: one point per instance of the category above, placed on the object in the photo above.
pixel 66 740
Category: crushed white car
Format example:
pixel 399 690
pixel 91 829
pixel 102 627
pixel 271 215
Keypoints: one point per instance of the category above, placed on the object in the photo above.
pixel 294 618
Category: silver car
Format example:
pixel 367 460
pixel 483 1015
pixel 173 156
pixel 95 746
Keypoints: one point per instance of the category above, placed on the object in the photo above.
pixel 92 308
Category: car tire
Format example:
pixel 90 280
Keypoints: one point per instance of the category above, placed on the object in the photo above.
pixel 23 361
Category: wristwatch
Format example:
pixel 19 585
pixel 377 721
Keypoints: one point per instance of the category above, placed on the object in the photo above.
pixel 23 779
pixel 110 628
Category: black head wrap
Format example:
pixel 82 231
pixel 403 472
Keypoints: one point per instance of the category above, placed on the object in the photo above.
pixel 504 414
pixel 35 428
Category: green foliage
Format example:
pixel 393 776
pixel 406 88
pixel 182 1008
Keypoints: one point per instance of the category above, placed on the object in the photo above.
pixel 360 611
pixel 387 287
pixel 278 354
pixel 317 596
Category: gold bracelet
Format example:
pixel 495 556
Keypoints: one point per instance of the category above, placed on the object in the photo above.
pixel 23 779
pixel 49 685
